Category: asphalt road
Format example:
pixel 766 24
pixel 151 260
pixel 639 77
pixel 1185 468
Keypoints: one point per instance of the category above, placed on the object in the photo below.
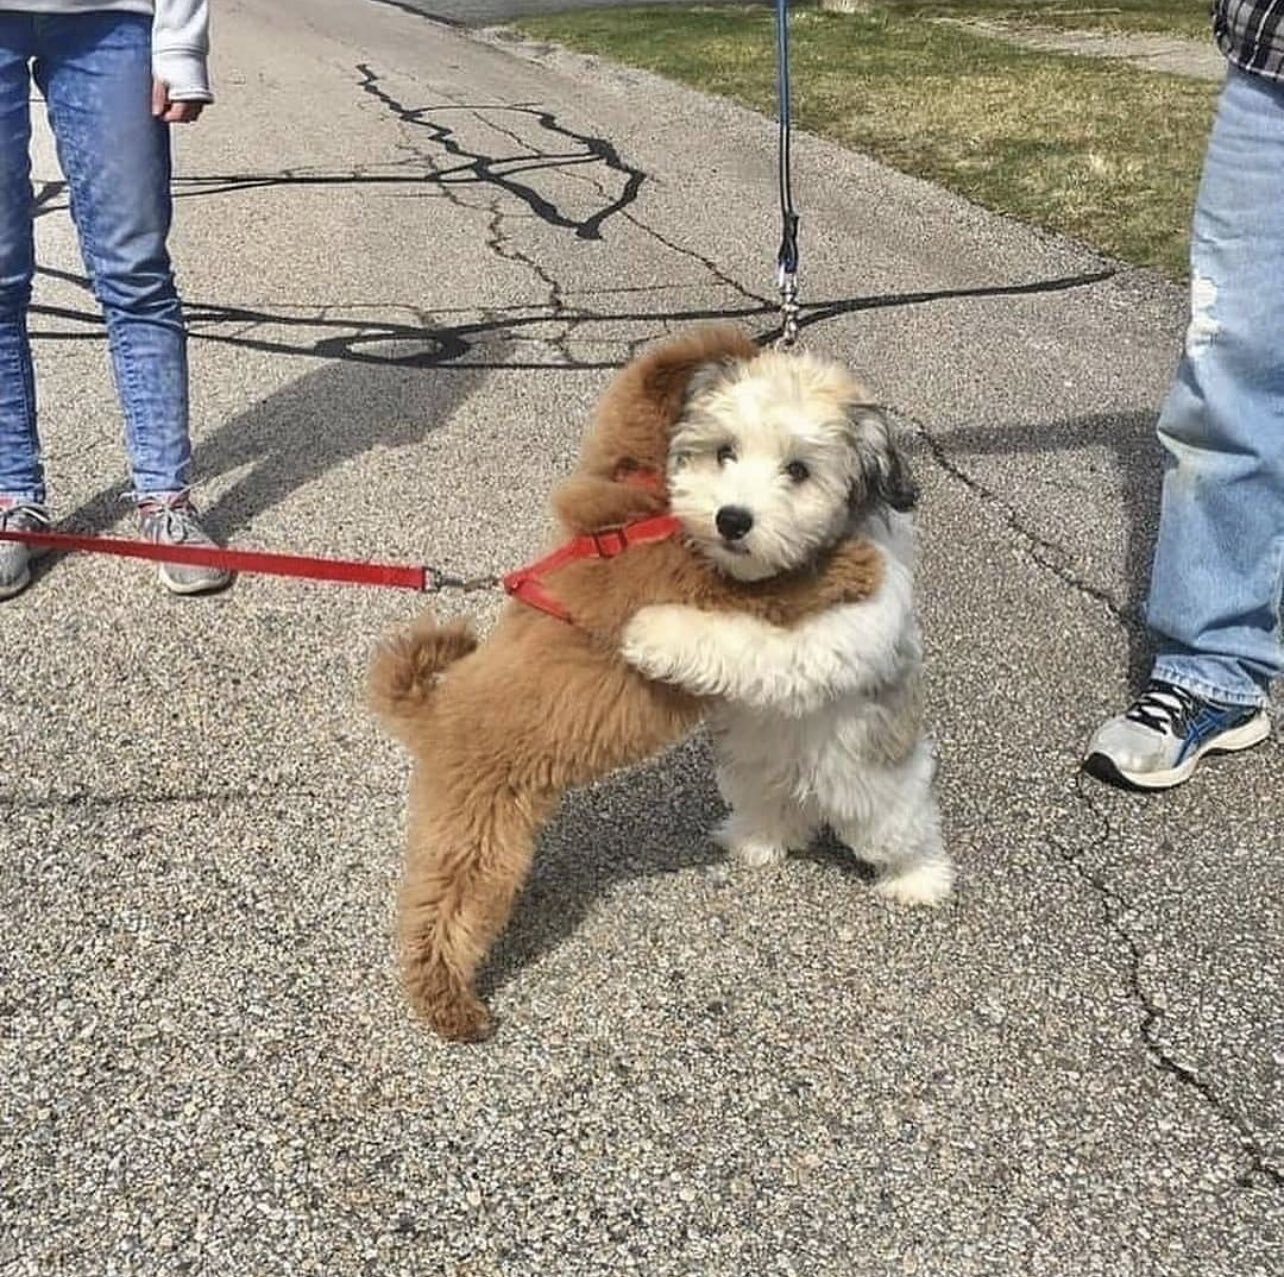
pixel 411 256
pixel 480 13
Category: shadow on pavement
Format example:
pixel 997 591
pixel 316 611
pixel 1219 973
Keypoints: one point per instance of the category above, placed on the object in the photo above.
pixel 301 432
pixel 588 850
pixel 1130 438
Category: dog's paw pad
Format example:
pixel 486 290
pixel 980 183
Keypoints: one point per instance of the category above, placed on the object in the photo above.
pixel 925 882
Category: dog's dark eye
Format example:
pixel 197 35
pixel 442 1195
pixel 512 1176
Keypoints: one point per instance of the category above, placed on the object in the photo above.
pixel 725 453
pixel 797 471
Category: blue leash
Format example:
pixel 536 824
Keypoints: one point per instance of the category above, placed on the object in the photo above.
pixel 787 257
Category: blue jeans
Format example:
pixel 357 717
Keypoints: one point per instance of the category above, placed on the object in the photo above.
pixel 94 70
pixel 1218 572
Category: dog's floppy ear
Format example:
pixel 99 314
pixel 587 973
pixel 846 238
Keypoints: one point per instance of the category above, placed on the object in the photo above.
pixel 635 416
pixel 884 474
pixel 676 372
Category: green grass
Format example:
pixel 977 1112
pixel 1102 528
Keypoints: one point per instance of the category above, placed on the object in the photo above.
pixel 1187 18
pixel 1097 150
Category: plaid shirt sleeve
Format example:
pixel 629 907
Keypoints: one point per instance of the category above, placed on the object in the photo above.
pixel 1251 34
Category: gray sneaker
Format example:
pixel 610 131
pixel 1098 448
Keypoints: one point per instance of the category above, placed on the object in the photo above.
pixel 173 521
pixel 1158 741
pixel 16 558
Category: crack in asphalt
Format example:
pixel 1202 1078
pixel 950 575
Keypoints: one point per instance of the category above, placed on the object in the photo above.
pixel 599 150
pixel 707 263
pixel 499 243
pixel 1044 553
pixel 1052 558
pixel 497 171
pixel 1115 907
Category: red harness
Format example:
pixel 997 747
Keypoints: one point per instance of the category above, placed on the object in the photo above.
pixel 527 583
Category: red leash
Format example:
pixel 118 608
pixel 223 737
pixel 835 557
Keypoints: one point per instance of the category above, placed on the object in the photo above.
pixel 524 583
pixel 353 572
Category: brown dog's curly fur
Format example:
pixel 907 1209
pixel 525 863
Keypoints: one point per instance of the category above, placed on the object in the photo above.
pixel 500 731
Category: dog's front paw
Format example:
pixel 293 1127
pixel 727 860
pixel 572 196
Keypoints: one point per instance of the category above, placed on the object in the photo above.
pixel 919 882
pixel 650 637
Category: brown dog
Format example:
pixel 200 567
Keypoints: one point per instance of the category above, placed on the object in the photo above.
pixel 499 732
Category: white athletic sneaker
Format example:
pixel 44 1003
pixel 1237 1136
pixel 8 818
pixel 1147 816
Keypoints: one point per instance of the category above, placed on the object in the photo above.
pixel 1158 741
pixel 15 557
pixel 173 521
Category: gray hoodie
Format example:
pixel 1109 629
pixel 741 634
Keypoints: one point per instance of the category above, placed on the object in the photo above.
pixel 180 38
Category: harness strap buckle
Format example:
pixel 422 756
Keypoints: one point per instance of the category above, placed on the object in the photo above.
pixel 609 542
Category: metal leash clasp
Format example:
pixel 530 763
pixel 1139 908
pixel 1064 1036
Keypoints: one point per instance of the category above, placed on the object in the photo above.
pixel 788 284
pixel 435 581
pixel 787 256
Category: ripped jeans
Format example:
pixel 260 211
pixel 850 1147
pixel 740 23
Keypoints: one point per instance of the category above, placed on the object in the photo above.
pixel 1218 571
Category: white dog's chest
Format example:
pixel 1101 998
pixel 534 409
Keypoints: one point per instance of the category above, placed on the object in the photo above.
pixel 812 754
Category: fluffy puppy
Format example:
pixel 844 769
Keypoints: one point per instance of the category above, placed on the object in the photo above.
pixel 499 731
pixel 820 724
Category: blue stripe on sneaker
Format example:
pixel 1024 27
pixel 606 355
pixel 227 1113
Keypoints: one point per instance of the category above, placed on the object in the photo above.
pixel 1212 721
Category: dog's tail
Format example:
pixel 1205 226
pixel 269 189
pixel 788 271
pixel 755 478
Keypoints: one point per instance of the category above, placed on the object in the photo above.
pixel 407 665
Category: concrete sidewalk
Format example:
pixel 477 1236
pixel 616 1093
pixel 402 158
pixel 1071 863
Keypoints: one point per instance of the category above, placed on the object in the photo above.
pixel 1201 59
pixel 481 13
pixel 411 257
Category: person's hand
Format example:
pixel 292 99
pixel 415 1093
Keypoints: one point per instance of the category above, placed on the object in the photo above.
pixel 169 112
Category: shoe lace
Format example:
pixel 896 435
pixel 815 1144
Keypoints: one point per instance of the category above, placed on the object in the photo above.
pixel 1164 707
pixel 30 513
pixel 174 517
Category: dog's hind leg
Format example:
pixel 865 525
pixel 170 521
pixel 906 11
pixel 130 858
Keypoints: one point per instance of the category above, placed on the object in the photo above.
pixel 757 841
pixel 910 861
pixel 763 824
pixel 899 835
pixel 465 867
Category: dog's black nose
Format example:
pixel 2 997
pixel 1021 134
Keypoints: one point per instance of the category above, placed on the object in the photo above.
pixel 733 522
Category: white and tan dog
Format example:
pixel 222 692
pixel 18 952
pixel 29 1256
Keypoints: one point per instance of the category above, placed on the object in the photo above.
pixel 772 460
